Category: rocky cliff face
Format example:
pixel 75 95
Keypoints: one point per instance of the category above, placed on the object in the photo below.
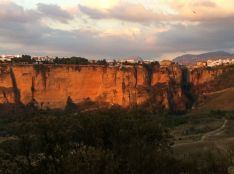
pixel 211 79
pixel 170 88
pixel 50 85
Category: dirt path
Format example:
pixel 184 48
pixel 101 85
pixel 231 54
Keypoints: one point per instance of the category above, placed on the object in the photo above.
pixel 214 132
pixel 206 135
pixel 217 92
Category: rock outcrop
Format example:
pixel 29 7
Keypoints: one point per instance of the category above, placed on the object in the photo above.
pixel 171 88
pixel 50 85
pixel 205 80
pixel 211 88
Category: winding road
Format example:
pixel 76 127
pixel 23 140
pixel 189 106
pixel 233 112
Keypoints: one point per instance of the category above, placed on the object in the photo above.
pixel 206 135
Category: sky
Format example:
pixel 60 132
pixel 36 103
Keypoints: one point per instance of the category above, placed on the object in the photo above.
pixel 97 29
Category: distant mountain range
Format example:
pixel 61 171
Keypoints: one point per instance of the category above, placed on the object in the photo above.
pixel 190 59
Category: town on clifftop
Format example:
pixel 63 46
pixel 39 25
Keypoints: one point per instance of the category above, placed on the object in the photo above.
pixel 134 60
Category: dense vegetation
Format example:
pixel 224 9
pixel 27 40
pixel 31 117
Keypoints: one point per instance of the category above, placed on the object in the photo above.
pixel 27 59
pixel 113 141
pixel 24 59
pixel 72 60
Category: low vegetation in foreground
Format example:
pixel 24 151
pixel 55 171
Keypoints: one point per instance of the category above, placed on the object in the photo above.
pixel 112 141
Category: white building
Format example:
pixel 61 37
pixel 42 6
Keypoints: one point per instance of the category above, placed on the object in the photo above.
pixel 42 58
pixel 133 59
pixel 7 58
pixel 165 63
pixel 212 63
pixel 149 61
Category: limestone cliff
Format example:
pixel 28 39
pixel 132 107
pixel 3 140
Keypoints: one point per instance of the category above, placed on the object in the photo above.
pixel 211 88
pixel 50 85
pixel 211 79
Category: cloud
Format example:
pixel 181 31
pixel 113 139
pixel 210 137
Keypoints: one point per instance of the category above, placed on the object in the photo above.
pixel 167 11
pixel 126 12
pixel 23 31
pixel 93 13
pixel 10 11
pixel 205 3
pixel 55 12
pixel 32 36
pixel 208 35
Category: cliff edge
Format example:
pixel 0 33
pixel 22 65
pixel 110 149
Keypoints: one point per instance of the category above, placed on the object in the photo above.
pixel 49 86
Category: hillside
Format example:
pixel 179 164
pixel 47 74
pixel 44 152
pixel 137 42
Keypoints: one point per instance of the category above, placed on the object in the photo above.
pixel 219 100
pixel 190 59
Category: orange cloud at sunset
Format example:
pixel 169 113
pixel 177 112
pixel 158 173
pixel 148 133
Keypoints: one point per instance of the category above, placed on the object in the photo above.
pixel 94 28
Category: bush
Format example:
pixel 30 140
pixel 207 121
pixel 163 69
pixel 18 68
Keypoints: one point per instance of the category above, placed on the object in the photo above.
pixel 218 113
pixel 71 60
pixel 101 142
pixel 205 161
